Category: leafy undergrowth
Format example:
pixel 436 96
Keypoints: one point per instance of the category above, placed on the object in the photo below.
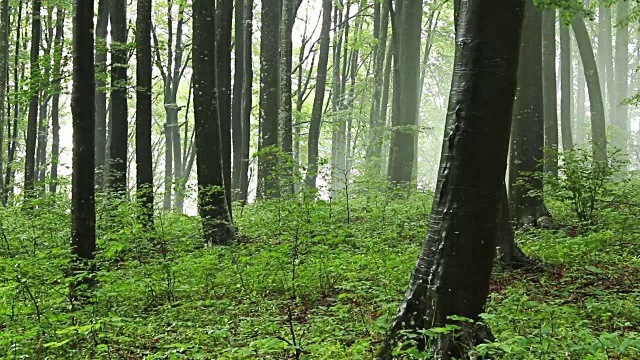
pixel 309 280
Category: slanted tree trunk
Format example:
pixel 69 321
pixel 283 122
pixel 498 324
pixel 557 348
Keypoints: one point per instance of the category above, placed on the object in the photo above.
pixel 119 131
pixel 223 59
pixel 527 132
pixel 4 74
pixel 318 100
pixel 55 101
pixel 453 270
pixel 598 126
pixel 34 102
pixel 102 26
pixel 212 202
pixel 405 113
pixel 621 121
pixel 268 175
pixel 83 211
pixel 247 97
pixel 550 102
pixel 144 153
pixel 566 83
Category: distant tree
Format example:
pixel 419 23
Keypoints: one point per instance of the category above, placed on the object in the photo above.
pixel 119 131
pixel 318 100
pixel 451 277
pixel 621 119
pixel 34 102
pixel 83 212
pixel 102 32
pixel 269 99
pixel 11 151
pixel 144 153
pixel 566 83
pixel 4 74
pixel 212 202
pixel 527 131
pixel 550 103
pixel 55 102
pixel 407 28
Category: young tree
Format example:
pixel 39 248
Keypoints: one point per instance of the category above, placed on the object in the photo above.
pixel 453 270
pixel 527 132
pixel 269 99
pixel 212 202
pixel 34 89
pixel 17 80
pixel 102 25
pixel 318 100
pixel 621 121
pixel 119 130
pixel 407 29
pixel 247 97
pixel 4 74
pixel 144 153
pixel 83 211
pixel 55 102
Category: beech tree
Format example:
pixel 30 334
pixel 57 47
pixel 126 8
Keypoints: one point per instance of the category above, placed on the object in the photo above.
pixel 34 102
pixel 452 274
pixel 102 31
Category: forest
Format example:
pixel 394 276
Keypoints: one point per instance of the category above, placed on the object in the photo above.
pixel 329 179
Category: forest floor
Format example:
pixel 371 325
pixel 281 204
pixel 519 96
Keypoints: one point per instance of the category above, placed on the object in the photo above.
pixel 308 280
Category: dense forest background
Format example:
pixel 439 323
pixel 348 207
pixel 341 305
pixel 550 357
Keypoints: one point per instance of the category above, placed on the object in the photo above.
pixel 255 179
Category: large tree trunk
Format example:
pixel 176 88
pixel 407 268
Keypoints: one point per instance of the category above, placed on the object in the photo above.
pixel 102 26
pixel 83 211
pixel 119 131
pixel 247 97
pixel 4 74
pixel 405 113
pixel 566 83
pixel 268 174
pixel 286 102
pixel 453 270
pixel 527 132
pixel 34 102
pixel 55 102
pixel 621 121
pixel 223 60
pixel 212 202
pixel 598 126
pixel 550 103
pixel 144 152
pixel 318 100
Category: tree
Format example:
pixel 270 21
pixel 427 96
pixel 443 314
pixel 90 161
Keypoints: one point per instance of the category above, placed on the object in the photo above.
pixel 566 83
pixel 4 74
pixel 550 102
pixel 621 121
pixel 11 153
pixel 527 132
pixel 289 11
pixel 119 130
pixel 236 104
pixel 34 89
pixel 55 102
pixel 144 153
pixel 83 211
pixel 247 97
pixel 318 100
pixel 102 31
pixel 453 270
pixel 598 126
pixel 405 109
pixel 605 60
pixel 212 203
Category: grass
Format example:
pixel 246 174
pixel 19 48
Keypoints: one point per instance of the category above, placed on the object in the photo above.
pixel 308 280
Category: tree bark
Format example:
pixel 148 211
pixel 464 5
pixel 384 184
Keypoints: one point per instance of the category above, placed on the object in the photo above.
pixel 453 270
pixel 247 97
pixel 236 104
pixel 286 102
pixel 4 74
pixel 605 60
pixel 621 121
pixel 55 102
pixel 566 83
pixel 34 89
pixel 212 203
pixel 598 125
pixel 9 176
pixel 144 153
pixel 119 107
pixel 527 132
pixel 102 31
pixel 318 100
pixel 550 102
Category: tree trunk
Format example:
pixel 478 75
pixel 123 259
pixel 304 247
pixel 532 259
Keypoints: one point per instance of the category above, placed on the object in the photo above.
pixel 119 107
pixel 566 83
pixel 550 102
pixel 4 74
pixel 144 73
pixel 621 122
pixel 509 253
pixel 598 126
pixel 286 106
pixel 268 175
pixel 453 270
pixel 83 211
pixel 236 104
pixel 338 128
pixel 34 89
pixel 405 114
pixel 212 203
pixel 9 176
pixel 55 102
pixel 605 50
pixel 527 132
pixel 318 100
pixel 247 97
pixel 223 59
pixel 102 26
